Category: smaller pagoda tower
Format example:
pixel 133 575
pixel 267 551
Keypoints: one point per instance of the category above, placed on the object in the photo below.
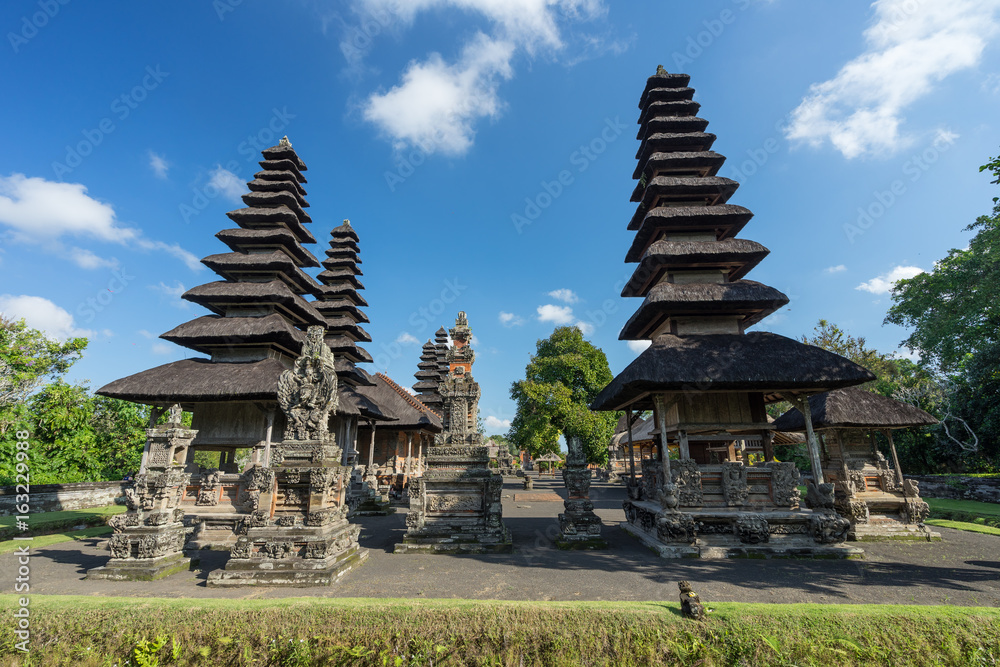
pixel 428 378
pixel 455 506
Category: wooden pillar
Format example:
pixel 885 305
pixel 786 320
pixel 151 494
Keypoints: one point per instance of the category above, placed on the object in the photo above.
pixel 895 459
pixel 811 443
pixel 661 419
pixel 768 440
pixel 420 457
pixel 682 437
pixel 409 454
pixel 268 432
pixel 631 448
pixel 371 449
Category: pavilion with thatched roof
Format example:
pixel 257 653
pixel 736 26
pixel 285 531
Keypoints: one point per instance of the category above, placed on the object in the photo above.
pixel 870 492
pixel 706 378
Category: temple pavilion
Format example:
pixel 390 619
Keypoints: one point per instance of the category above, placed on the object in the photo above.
pixel 871 491
pixel 704 375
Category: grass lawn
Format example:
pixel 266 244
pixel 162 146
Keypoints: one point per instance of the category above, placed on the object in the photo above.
pixel 84 630
pixel 963 525
pixel 965 511
pixel 38 541
pixel 51 522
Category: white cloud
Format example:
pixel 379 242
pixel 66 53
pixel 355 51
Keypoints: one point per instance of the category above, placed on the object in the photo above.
pixel 107 333
pixel 638 346
pixel 436 104
pixel 85 259
pixel 40 313
pixel 586 328
pixel 567 295
pixel 173 293
pixel 911 46
pixel 555 314
pixel 159 165
pixel 495 423
pixel 882 284
pixel 840 268
pixel 227 183
pixel 406 338
pixel 991 84
pixel 161 348
pixel 41 211
pixel 510 319
pixel 145 334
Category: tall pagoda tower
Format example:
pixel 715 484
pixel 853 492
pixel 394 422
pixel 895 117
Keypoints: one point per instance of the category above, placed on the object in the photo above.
pixel 428 377
pixel 455 505
pixel 705 377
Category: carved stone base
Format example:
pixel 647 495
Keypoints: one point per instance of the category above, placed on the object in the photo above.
pixel 142 569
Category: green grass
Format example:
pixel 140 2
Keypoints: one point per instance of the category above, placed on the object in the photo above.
pixel 84 630
pixel 963 525
pixel 965 511
pixel 38 541
pixel 42 523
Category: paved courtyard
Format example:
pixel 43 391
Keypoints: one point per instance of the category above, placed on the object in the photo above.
pixel 964 569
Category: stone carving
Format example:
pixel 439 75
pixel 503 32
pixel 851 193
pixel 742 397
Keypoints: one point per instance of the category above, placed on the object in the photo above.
pixel 752 529
pixel 819 497
pixel 175 414
pixel 916 511
pixel 911 488
pixel 578 523
pixel 454 503
pixel 886 475
pixel 308 392
pixel 320 480
pixel 528 483
pixel 734 483
pixel 120 545
pixel 667 497
pixel 856 481
pixel 652 478
pixel 242 549
pixel 687 477
pixel 784 484
pixel 691 606
pixel 120 522
pixel 829 527
pixel 208 493
pixel 856 511
pixel 277 550
pixel 676 527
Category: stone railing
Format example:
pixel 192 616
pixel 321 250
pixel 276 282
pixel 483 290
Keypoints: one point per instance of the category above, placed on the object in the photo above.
pixel 983 489
pixel 56 497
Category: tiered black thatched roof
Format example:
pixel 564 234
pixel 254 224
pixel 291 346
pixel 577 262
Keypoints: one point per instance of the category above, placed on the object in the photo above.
pixel 339 302
pixel 428 377
pixel 441 349
pixel 690 274
pixel 853 407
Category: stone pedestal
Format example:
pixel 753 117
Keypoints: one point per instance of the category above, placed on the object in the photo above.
pixel 579 527
pixel 455 505
pixel 365 499
pixel 299 535
pixel 148 541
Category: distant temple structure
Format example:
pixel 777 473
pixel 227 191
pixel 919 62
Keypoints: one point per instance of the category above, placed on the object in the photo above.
pixel 705 377
pixel 870 491
pixel 455 506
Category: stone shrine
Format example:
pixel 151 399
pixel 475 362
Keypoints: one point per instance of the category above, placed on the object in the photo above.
pixel 455 505
pixel 579 527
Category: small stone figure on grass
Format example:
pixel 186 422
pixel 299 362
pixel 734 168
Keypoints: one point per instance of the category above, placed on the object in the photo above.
pixel 691 606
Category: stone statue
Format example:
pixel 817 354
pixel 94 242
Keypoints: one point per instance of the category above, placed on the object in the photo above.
pixel 175 414
pixel 691 606
pixel 308 392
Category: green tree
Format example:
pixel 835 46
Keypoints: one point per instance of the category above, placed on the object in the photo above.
pixel 563 377
pixel 120 434
pixel 954 310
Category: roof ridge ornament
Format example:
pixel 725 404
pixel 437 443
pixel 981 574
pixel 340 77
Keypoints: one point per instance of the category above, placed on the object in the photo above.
pixel 660 71
pixel 285 143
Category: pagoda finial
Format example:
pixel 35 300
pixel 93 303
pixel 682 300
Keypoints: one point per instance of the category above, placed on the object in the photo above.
pixel 285 142
pixel 347 222
pixel 660 71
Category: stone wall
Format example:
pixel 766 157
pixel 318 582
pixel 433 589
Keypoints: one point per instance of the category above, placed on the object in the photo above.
pixel 55 497
pixel 983 489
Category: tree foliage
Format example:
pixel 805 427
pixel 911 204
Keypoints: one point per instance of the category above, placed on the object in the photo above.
pixel 563 377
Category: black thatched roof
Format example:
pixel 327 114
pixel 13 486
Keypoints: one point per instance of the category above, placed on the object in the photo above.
pixel 348 327
pixel 341 263
pixel 854 407
pixel 692 142
pixel 345 231
pixel 749 299
pixel 265 200
pixel 347 347
pixel 756 361
pixel 679 107
pixel 341 275
pixel 217 295
pixel 240 240
pixel 199 380
pixel 350 374
pixel 337 307
pixel 282 165
pixel 212 331
pixel 736 256
pixel 256 218
pixel 288 187
pixel 337 293
pixel 670 124
pixel 663 82
pixel 724 221
pixel 284 151
pixel 703 163
pixel 237 265
pixel 712 190
pixel 290 177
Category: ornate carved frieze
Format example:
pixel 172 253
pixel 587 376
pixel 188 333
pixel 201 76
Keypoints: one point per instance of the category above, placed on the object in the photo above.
pixel 308 392
pixel 784 484
pixel 687 477
pixel 752 529
pixel 676 527
pixel 734 483
pixel 829 527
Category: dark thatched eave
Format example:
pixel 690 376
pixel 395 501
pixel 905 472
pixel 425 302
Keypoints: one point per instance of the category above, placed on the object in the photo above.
pixel 340 308
pixel 340 275
pixel 723 221
pixel 199 381
pixel 663 81
pixel 347 327
pixel 693 142
pixel 706 163
pixel 671 124
pixel 242 240
pixel 289 177
pixel 270 218
pixel 337 293
pixel 344 346
pixel 290 187
pixel 748 299
pixel 284 152
pixel 409 412
pixel 342 264
pixel 237 266
pixel 283 165
pixel 680 191
pixel 756 361
pixel 218 295
pixel 345 231
pixel 679 107
pixel 266 200
pixel 854 407
pixel 353 403
pixel 212 331
pixel 735 256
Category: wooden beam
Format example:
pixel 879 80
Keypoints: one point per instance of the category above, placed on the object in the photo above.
pixel 631 448
pixel 664 450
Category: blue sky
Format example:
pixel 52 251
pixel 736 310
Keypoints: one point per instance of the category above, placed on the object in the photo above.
pixel 483 150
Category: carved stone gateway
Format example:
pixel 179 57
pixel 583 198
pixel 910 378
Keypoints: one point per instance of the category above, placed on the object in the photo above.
pixel 149 538
pixel 298 534
pixel 579 527
pixel 455 506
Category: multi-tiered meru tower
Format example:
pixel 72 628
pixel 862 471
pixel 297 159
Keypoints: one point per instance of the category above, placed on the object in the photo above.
pixel 705 377
pixel 455 506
